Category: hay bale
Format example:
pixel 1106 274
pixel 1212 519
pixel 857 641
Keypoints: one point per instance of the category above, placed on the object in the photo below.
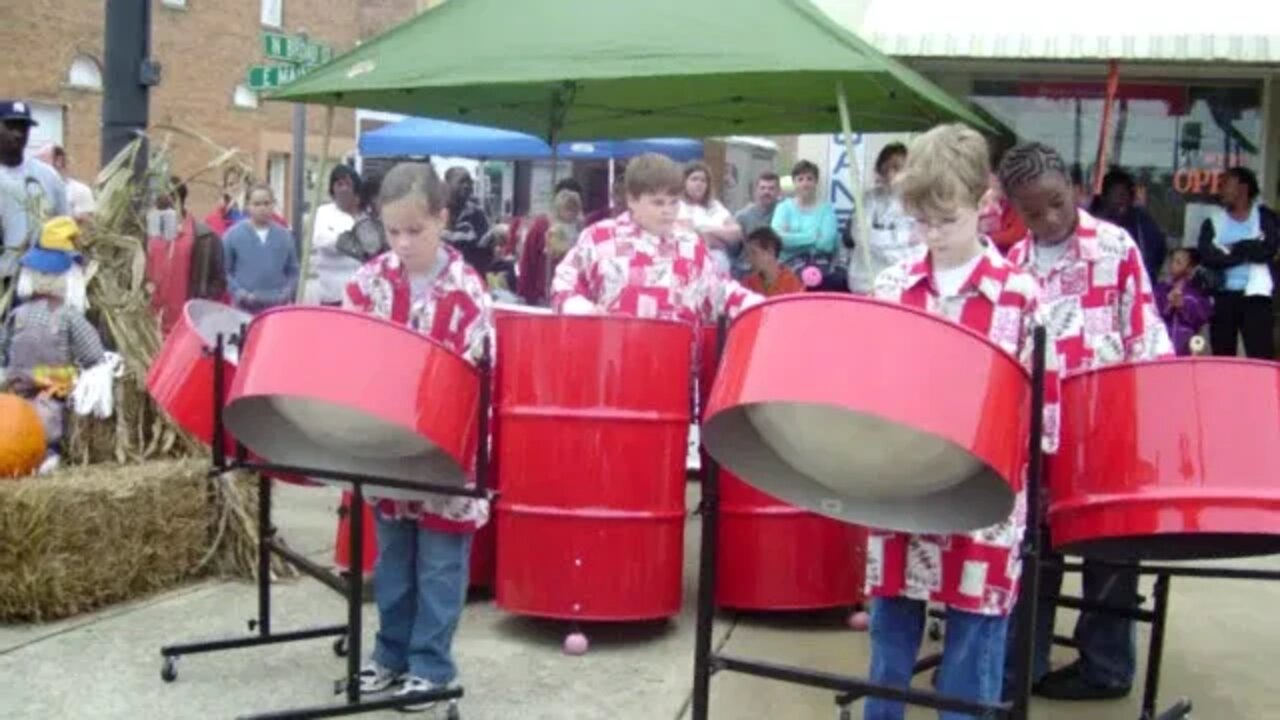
pixel 85 537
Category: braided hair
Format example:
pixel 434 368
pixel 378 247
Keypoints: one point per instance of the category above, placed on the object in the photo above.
pixel 1027 163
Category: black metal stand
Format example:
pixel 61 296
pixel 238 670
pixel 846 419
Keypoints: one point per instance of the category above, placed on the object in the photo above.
pixel 1157 616
pixel 848 689
pixel 351 586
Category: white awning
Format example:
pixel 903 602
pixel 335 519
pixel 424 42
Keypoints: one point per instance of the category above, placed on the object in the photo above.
pixel 1149 30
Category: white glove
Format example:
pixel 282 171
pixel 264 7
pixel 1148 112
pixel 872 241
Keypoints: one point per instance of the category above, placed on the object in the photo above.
pixel 94 392
pixel 578 305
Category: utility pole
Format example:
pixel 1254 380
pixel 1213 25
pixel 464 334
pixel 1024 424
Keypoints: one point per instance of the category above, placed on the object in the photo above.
pixel 298 172
pixel 129 74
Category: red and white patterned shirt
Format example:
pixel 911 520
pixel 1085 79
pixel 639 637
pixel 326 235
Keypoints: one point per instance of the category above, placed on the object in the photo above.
pixel 1097 298
pixel 624 270
pixel 976 572
pixel 455 310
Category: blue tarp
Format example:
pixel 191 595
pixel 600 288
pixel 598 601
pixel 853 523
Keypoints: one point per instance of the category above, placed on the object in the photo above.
pixel 422 136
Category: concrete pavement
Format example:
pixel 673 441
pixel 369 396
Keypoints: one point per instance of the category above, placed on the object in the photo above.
pixel 1221 651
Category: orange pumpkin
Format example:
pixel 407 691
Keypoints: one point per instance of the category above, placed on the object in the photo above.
pixel 22 443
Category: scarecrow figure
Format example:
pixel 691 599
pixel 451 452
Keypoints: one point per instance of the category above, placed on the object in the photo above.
pixel 46 339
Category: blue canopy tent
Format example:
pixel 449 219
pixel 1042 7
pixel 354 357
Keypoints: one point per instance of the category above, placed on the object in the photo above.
pixel 424 136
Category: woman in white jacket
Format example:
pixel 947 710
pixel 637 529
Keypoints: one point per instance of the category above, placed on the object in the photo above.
pixel 889 240
pixel 331 268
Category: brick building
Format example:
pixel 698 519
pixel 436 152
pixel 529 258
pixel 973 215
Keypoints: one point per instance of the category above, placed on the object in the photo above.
pixel 54 50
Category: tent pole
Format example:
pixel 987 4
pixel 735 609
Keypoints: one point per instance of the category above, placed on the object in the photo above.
pixel 612 170
pixel 855 178
pixel 304 261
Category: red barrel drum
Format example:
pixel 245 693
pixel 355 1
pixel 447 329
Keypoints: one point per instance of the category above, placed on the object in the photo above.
pixel 871 412
pixel 344 391
pixel 594 416
pixel 1169 460
pixel 776 556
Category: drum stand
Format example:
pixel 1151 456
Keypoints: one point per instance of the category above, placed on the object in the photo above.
pixel 849 689
pixel 351 586
pixel 1157 616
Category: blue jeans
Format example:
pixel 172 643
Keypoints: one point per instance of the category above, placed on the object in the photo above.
pixel 972 655
pixel 1107 644
pixel 420 585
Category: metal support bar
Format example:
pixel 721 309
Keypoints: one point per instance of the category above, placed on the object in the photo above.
pixel 707 568
pixel 922 665
pixel 265 534
pixel 849 685
pixel 327 711
pixel 1130 613
pixel 252 641
pixel 1180 710
pixel 355 594
pixel 1025 612
pixel 1155 650
pixel 358 479
pixel 309 567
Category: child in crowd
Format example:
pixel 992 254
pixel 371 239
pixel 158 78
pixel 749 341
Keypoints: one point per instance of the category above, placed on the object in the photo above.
pixel 642 263
pixel 963 278
pixel 1182 302
pixel 261 257
pixel 769 276
pixel 420 580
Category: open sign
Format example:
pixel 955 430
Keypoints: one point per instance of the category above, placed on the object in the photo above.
pixel 1197 181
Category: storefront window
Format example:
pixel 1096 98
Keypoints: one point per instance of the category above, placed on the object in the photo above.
pixel 1175 139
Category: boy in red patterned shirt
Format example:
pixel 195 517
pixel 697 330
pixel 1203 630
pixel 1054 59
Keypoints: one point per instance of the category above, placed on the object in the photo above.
pixel 1099 311
pixel 964 278
pixel 641 264
pixel 420 580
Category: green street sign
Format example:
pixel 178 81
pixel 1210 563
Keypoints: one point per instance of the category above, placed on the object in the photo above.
pixel 266 77
pixel 295 50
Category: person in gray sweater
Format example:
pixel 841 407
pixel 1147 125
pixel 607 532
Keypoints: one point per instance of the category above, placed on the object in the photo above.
pixel 261 257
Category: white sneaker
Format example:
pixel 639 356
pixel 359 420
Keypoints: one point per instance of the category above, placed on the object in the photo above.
pixel 51 462
pixel 375 678
pixel 413 685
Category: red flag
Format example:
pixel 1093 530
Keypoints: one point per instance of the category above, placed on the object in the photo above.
pixel 1104 132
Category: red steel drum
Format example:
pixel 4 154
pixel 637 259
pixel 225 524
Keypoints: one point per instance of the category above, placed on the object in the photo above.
pixel 180 378
pixel 1169 460
pixel 871 412
pixel 594 418
pixel 330 388
pixel 777 556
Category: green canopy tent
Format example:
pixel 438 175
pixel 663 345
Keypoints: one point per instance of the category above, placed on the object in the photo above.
pixel 582 69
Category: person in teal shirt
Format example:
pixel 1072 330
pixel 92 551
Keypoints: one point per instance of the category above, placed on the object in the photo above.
pixel 806 224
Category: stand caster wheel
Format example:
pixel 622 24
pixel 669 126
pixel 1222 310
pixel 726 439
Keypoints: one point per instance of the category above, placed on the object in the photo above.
pixel 452 712
pixel 340 646
pixel 576 644
pixel 169 669
pixel 935 631
pixel 859 621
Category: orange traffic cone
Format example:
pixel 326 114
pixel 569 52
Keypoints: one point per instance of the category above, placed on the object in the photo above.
pixel 341 554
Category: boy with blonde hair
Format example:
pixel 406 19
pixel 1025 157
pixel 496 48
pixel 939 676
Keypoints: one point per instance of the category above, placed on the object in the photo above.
pixel 964 279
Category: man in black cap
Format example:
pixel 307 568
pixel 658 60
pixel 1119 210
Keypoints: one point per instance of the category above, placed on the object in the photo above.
pixel 30 190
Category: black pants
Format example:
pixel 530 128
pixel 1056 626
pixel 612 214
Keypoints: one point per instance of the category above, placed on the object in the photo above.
pixel 1235 315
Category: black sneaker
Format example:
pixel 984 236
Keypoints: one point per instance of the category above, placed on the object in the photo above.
pixel 1069 683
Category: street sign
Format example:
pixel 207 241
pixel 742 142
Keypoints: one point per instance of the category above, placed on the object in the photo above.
pixel 295 50
pixel 265 77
